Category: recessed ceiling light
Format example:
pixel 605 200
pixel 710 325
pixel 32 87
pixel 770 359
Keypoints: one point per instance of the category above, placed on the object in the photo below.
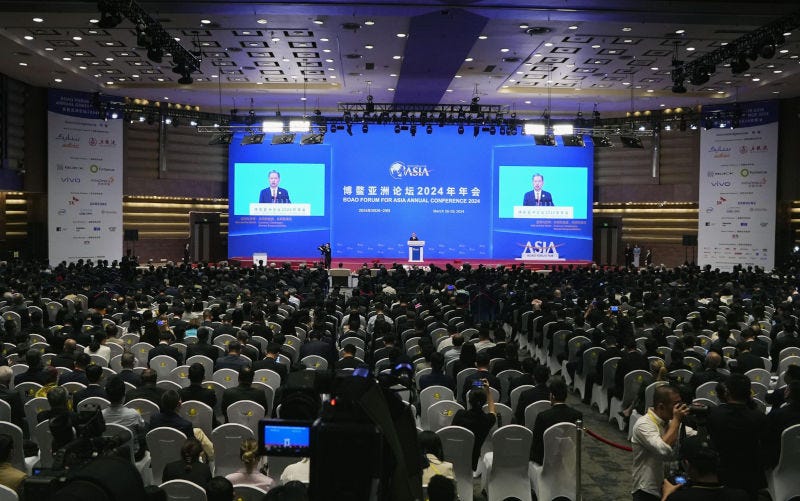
pixel 262 21
pixel 527 102
pixel 504 87
pixel 160 79
pixel 66 59
pixel 458 76
pixel 468 60
pixel 723 44
pixel 205 21
pixel 319 21
pixel 28 37
pixel 503 50
pixel 573 27
pixel 368 46
pixel 524 26
pixel 214 76
pixel 333 76
pixel 663 105
pixel 511 80
pixel 627 40
pixel 369 22
pixel 777 71
pixel 538 54
pixel 548 44
pixel 401 35
pixel 109 59
pixel 166 98
pixel 326 51
pixel 38 20
pixel 649 90
pixel 720 92
pixel 285 59
pixel 77 39
pixel 94 21
pixel 49 49
pixel 756 79
pixel 626 83
pixel 323 39
pixel 109 83
pixel 690 48
pixel 612 52
pixel 784 51
pixel 520 73
pixel 449 90
pixel 397 57
pixel 329 60
pixel 23 64
pixel 390 89
pixel 595 46
pixel 331 69
pixel 654 68
pixel 392 74
pixel 787 34
pixel 627 28
pixel 482 37
pixel 275 39
pixel 57 80
pixel 680 32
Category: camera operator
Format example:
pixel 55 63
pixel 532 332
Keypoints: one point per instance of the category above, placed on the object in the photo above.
pixel 655 437
pixel 701 483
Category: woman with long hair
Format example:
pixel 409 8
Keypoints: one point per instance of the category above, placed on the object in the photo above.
pixel 249 473
pixel 189 466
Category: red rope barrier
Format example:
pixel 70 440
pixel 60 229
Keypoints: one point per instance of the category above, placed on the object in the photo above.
pixel 606 441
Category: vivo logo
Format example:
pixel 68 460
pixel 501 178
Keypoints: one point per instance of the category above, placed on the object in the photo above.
pixel 720 183
pixel 70 180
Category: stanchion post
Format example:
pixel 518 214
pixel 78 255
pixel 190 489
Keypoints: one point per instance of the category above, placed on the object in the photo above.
pixel 578 441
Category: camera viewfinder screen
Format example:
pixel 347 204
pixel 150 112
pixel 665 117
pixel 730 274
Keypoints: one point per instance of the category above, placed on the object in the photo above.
pixel 280 439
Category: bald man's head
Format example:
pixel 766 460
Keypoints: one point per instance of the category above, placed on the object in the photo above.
pixel 713 360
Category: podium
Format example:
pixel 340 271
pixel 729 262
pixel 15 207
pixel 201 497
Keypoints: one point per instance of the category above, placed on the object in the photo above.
pixel 415 248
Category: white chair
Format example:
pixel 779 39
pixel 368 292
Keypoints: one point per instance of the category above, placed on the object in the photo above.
pixel 123 434
pixel 633 380
pixel 44 439
pixel 505 378
pixel 428 397
pixel 164 445
pixel 758 376
pixel 183 490
pixel 228 378
pixel 203 360
pixel 315 362
pixel 144 407
pixel 246 412
pixel 7 493
pixel 5 411
pixel 33 407
pixel 198 413
pixel 440 414
pixel 507 468
pixel 517 392
pixel 248 493
pixel 600 391
pixel 504 412
pixel 462 375
pixel 786 362
pixel 180 376
pixel 533 410
pixel 269 395
pixel 707 390
pixel 163 365
pixel 267 377
pixel 556 476
pixel 140 350
pixel 17 369
pixel 590 356
pixel 573 347
pixel 92 403
pixel 218 391
pixel 227 440
pixel 17 458
pixel 27 390
pixel 457 444
pixel 783 481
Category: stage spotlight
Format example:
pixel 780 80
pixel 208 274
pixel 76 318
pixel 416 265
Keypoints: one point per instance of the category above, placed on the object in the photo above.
pixel 534 129
pixel 602 142
pixel 364 128
pixel 370 106
pixel 110 16
pixel 739 65
pixel 312 138
pixel 333 128
pixel 699 77
pixel 563 129
pixel 767 50
pixel 413 130
pixel 460 128
pixel 397 128
pixel 349 129
pixel 502 130
pixel 155 54
pixel 143 38
pixel 572 140
pixel 544 140
pixel 300 126
pixel 283 138
pixel 631 142
pixel 221 138
pixel 168 121
pixel 442 118
pixel 252 139
pixel 474 107
pixel 185 79
pixel 273 126
pixel 492 130
pixel 475 131
pixel 429 129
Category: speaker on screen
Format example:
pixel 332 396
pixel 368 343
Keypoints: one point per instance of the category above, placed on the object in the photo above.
pixel 131 235
pixel 690 240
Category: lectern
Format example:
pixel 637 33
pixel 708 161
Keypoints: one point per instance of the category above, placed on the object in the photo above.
pixel 415 248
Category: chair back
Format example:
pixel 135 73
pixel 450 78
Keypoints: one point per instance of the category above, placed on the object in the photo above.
pixel 5 411
pixel 17 458
pixel 163 365
pixel 243 492
pixel 707 390
pixel 227 440
pixel 649 391
pixel 228 378
pixel 122 433
pixel 784 482
pixel 440 414
pixel 8 494
pixel 460 378
pixel 533 410
pixel 786 362
pixel 203 360
pixel 574 345
pixel 180 376
pixel 44 439
pixel 428 397
pixel 164 445
pixel 183 490
pixel 267 377
pixel 683 376
pixel 144 407
pixel 315 362
pixel 223 340
pixel 557 478
pixel 246 412
pixel 758 376
pixel 457 444
pixel 508 476
pixel 633 380
pixel 516 392
pixel 609 370
pixel 505 378
pixel 93 403
pixel 32 408
pixel 421 372
pixel 198 413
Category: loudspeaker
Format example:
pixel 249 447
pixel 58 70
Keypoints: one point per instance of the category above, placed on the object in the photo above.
pixel 131 235
pixel 690 240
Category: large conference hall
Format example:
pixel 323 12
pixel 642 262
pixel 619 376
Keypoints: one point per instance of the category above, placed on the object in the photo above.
pixel 395 251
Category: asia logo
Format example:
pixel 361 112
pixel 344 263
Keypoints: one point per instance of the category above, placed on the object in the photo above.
pixel 399 170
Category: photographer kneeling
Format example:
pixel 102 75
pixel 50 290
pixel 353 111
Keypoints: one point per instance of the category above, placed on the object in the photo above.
pixel 701 482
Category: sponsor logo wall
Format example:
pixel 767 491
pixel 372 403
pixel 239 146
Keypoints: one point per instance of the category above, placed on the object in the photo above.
pixel 738 185
pixel 84 181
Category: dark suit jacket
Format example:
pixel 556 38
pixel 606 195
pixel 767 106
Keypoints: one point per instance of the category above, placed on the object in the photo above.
pixel 63 360
pixel 738 434
pixel 705 376
pixel 146 391
pixel 475 376
pixel 205 349
pixel 631 361
pixel 73 377
pixel 521 380
pixel 748 360
pixel 165 349
pixel 237 393
pixel 779 419
pixel 93 390
pixel 321 348
pixel 273 365
pixel 265 197
pixel 529 396
pixel 479 423
pixel 200 473
pixel 171 420
pixel 437 379
pixel 234 362
pixel 545 200
pixel 14 400
pixel 559 413
pixel 33 376
pixel 131 377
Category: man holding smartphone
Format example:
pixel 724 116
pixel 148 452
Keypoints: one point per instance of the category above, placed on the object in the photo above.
pixel 701 483
pixel 474 419
pixel 655 438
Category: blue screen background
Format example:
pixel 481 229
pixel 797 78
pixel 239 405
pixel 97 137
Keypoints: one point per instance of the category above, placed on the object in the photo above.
pixel 455 191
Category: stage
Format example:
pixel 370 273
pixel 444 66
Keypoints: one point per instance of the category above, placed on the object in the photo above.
pixel 354 264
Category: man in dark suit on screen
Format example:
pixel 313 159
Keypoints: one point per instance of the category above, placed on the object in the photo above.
pixel 537 196
pixel 274 194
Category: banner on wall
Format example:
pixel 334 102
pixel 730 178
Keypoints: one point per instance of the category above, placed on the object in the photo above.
pixel 738 185
pixel 84 179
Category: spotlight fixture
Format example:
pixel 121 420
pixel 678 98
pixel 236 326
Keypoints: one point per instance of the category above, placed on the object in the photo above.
pixel 739 64
pixel 678 87
pixel 252 139
pixel 312 138
pixel 460 128
pixel 429 129
pixel 370 106
pixel 492 130
pixel 631 142
pixel 143 38
pixel 333 128
pixel 413 130
pixel 397 128
pixel 283 138
pixel 349 129
pixel 155 53
pixel 185 79
pixel 563 129
pixel 221 138
pixel 364 128
pixel 767 50
pixel 110 16
pixel 544 140
pixel 475 131
pixel 701 75
pixel 474 107
pixel 534 129
pixel 602 142
pixel 573 140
